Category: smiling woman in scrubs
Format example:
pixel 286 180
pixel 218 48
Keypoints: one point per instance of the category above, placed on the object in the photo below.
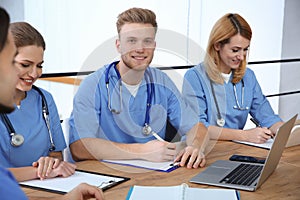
pixel 32 158
pixel 224 92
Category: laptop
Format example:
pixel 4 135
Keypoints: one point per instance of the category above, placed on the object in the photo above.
pixel 244 175
pixel 294 138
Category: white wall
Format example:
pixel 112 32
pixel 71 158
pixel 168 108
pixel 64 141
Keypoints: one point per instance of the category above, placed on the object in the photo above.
pixel 75 29
pixel 290 72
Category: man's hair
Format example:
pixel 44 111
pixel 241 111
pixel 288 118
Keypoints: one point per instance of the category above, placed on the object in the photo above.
pixel 25 35
pixel 136 15
pixel 4 24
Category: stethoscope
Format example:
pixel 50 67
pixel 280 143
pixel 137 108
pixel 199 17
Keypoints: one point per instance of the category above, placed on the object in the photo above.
pixel 18 139
pixel 238 106
pixel 147 130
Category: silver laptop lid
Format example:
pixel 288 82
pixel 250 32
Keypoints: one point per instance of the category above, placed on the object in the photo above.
pixel 214 174
pixel 276 150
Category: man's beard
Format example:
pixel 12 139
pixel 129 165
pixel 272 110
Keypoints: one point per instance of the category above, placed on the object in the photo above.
pixel 6 109
pixel 132 66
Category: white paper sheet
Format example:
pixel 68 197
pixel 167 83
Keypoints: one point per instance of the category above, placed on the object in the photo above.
pixel 63 185
pixel 180 192
pixel 159 166
pixel 266 145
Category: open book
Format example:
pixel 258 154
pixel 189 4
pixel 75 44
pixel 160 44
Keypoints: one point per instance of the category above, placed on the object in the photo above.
pixel 180 192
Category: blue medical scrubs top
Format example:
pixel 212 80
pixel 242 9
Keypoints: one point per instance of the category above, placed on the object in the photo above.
pixel 29 122
pixel 9 187
pixel 197 93
pixel 91 117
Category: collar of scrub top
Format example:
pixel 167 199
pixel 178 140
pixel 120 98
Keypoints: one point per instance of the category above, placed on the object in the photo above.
pixel 150 91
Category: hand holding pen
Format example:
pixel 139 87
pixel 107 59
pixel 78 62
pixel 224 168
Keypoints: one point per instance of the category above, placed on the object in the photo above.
pixel 258 125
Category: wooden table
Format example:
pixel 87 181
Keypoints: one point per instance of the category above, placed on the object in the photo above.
pixel 284 183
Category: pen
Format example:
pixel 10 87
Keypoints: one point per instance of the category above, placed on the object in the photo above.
pixel 255 122
pixel 157 137
pixel 174 164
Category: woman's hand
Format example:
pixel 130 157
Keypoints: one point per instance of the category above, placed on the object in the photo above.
pixel 49 167
pixel 258 135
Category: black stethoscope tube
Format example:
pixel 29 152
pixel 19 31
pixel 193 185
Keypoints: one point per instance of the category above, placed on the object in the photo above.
pixel 18 139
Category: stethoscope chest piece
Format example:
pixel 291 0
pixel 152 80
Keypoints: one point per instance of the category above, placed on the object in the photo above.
pixel 147 130
pixel 221 122
pixel 16 140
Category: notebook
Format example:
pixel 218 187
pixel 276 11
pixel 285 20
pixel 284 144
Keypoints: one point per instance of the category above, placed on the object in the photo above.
pixel 242 175
pixel 180 192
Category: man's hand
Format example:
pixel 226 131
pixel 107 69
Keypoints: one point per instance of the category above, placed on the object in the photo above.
pixel 158 151
pixel 191 157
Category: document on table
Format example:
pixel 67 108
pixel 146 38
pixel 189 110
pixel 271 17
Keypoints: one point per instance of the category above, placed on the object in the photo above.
pixel 180 192
pixel 294 139
pixel 267 145
pixel 157 166
pixel 63 185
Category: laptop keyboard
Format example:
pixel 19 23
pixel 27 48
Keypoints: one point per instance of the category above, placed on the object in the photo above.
pixel 244 174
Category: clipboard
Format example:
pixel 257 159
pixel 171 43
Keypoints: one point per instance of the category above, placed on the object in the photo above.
pixel 63 185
